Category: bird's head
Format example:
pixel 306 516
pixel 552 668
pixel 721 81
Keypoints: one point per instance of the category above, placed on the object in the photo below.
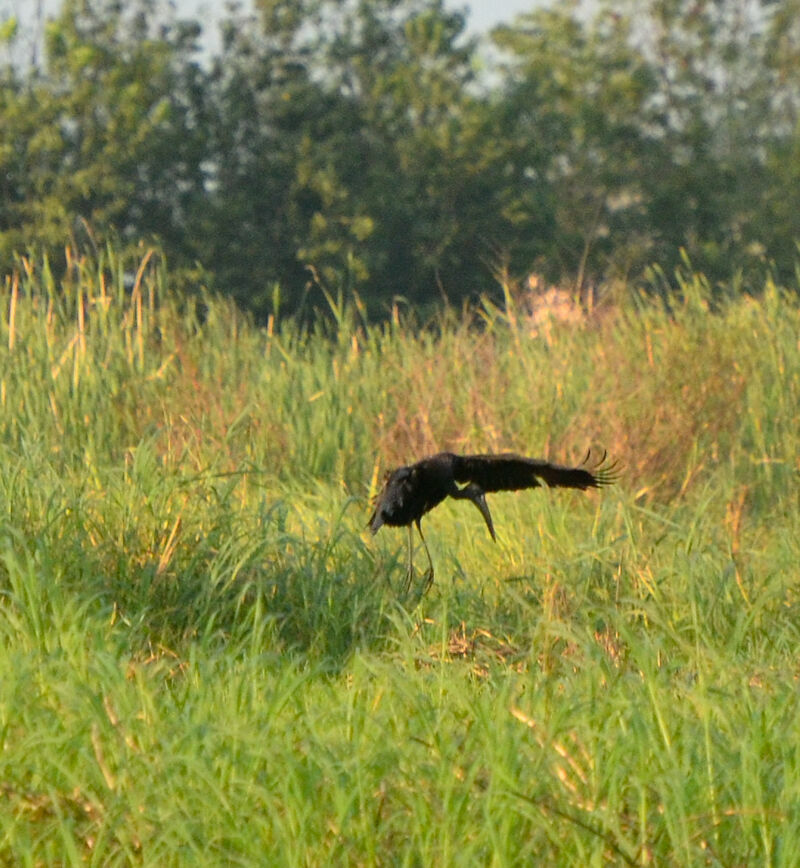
pixel 390 497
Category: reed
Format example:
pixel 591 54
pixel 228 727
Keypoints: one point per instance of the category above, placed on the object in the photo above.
pixel 204 658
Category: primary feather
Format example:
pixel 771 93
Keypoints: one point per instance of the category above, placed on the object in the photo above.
pixel 510 472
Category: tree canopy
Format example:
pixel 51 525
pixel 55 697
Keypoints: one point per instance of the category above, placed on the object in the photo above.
pixel 373 145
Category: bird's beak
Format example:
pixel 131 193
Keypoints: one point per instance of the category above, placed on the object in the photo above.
pixel 479 499
pixel 375 523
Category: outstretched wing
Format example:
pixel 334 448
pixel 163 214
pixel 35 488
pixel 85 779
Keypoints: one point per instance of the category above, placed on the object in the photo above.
pixel 510 472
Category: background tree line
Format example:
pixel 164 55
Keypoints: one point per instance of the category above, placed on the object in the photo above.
pixel 374 141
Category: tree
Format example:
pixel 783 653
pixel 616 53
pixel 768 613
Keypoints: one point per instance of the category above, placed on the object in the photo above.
pixel 348 144
pixel 575 108
pixel 108 131
pixel 266 105
pixel 715 99
pixel 420 172
pixel 352 143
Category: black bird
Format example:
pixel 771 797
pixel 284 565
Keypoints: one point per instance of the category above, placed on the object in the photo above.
pixel 411 491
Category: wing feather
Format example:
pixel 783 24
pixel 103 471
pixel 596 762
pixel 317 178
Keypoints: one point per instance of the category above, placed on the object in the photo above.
pixel 510 472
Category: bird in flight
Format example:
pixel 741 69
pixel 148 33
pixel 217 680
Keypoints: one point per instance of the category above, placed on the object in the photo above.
pixel 415 489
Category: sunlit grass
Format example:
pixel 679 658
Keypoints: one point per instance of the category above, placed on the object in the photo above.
pixel 205 659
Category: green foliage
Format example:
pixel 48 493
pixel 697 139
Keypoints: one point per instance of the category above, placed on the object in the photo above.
pixel 106 136
pixel 374 147
pixel 9 29
pixel 577 111
pixel 204 658
pixel 362 135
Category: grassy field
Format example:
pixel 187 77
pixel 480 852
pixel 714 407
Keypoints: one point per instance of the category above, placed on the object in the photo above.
pixel 204 659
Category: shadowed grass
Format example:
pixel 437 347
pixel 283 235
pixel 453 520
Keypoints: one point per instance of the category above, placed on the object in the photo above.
pixel 204 658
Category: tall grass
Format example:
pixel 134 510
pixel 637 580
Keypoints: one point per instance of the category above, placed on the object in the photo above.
pixel 204 659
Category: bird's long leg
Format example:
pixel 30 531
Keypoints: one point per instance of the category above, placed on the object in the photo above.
pixel 429 574
pixel 410 566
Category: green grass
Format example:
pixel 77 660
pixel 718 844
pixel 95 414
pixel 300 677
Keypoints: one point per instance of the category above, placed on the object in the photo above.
pixel 205 660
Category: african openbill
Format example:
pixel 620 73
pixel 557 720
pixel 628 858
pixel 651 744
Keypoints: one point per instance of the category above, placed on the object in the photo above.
pixel 411 491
